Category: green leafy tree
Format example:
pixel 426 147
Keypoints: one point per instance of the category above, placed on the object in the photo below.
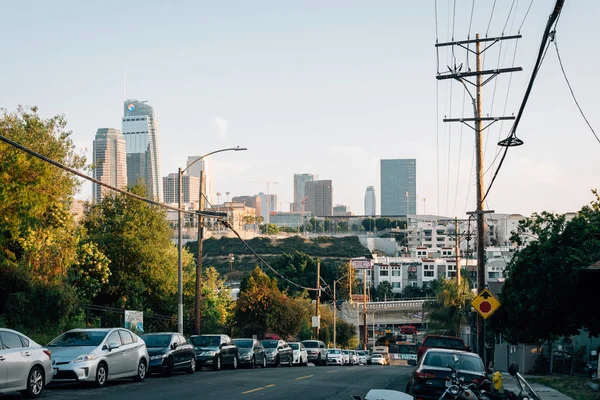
pixel 269 229
pixel 258 294
pixel 384 291
pixel 217 304
pixel 288 315
pixel 368 224
pixel 412 292
pixel 382 223
pixel 342 226
pixel 90 273
pixel 451 306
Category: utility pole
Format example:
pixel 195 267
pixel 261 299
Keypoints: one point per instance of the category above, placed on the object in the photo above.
pixel 334 317
pixel 463 78
pixel 350 280
pixel 318 299
pixel 457 252
pixel 365 331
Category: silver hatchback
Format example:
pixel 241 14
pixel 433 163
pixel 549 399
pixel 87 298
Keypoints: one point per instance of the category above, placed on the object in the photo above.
pixel 25 366
pixel 97 355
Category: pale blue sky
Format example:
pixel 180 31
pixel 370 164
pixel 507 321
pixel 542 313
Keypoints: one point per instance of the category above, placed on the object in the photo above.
pixel 322 87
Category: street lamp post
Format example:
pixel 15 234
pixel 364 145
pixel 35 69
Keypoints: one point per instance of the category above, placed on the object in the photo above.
pixel 179 239
pixel 334 312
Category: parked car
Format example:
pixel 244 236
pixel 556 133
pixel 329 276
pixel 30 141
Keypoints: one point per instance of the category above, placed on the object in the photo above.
pixel 363 356
pixel 428 379
pixel 278 352
pixel 317 351
pixel 300 353
pixel 377 358
pixel 25 365
pixel 99 355
pixel 353 357
pixel 592 369
pixel 169 352
pixel 346 357
pixel 214 351
pixel 334 357
pixel 251 352
pixel 441 342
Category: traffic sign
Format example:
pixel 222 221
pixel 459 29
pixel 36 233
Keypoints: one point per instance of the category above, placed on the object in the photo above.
pixel 485 303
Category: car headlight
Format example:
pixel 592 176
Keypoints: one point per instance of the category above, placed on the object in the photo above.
pixel 453 390
pixel 158 356
pixel 208 353
pixel 84 357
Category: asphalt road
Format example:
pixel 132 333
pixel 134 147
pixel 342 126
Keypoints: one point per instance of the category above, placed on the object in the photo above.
pixel 332 382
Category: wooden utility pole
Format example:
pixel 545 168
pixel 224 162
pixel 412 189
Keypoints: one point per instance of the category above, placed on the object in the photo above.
pixel 318 299
pixel 462 77
pixel 197 312
pixel 366 331
pixel 457 252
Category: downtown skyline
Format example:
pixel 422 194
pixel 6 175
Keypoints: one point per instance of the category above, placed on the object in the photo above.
pixel 328 92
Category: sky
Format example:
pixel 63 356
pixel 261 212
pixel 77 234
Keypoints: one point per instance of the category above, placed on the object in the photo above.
pixel 322 87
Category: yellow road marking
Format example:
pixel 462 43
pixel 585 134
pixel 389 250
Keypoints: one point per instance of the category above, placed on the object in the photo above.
pixel 331 372
pixel 260 388
pixel 253 390
pixel 304 377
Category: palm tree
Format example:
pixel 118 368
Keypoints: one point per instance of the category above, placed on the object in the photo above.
pixel 450 307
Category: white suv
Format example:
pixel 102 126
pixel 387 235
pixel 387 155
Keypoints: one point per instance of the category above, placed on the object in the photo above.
pixel 317 351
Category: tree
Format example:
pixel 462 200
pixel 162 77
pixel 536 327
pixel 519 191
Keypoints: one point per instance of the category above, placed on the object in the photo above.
pixel 216 305
pixel 269 229
pixel 451 306
pixel 546 279
pixel 288 315
pixel 413 292
pixel 384 291
pixel 368 224
pixel 342 226
pixel 258 294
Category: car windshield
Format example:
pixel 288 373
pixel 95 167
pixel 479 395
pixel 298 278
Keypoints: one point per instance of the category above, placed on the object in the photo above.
pixel 334 351
pixel 362 353
pixel 466 361
pixel 157 340
pixel 206 341
pixel 446 343
pixel 376 356
pixel 295 346
pixel 345 352
pixel 243 343
pixel 311 345
pixel 269 344
pixel 82 338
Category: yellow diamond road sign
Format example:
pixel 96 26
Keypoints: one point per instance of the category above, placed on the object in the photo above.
pixel 485 303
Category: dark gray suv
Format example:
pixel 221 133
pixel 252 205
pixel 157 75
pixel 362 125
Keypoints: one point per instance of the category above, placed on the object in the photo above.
pixel 215 351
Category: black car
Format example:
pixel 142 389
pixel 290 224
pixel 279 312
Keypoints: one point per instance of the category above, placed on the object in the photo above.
pixel 278 352
pixel 215 351
pixel 428 380
pixel 169 352
pixel 251 352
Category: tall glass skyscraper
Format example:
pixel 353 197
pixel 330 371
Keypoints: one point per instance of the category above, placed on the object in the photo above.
pixel 140 129
pixel 399 186
pixel 370 202
pixel 109 160
pixel 300 181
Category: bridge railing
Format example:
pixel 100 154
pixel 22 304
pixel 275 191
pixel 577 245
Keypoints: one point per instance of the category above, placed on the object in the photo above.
pixel 408 303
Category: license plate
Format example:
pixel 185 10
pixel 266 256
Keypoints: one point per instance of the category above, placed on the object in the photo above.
pixel 54 371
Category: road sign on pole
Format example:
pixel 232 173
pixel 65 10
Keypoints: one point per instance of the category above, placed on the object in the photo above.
pixel 485 303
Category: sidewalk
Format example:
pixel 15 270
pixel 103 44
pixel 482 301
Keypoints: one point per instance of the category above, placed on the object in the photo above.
pixel 545 392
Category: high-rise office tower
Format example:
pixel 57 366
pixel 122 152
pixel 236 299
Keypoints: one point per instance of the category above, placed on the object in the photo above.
pixel 300 181
pixel 268 204
pixel 370 201
pixel 399 186
pixel 320 198
pixel 110 162
pixel 203 165
pixel 190 189
pixel 140 129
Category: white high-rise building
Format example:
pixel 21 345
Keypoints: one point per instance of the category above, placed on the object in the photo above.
pixel 203 165
pixel 268 205
pixel 370 201
pixel 190 189
pixel 141 132
pixel 110 162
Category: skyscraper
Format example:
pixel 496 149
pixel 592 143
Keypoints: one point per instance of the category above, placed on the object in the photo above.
pixel 320 198
pixel 140 129
pixel 190 189
pixel 110 162
pixel 268 204
pixel 370 201
pixel 399 186
pixel 203 165
pixel 300 181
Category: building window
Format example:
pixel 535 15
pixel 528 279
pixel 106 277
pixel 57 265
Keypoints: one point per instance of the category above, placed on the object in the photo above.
pixel 396 272
pixel 383 272
pixel 395 285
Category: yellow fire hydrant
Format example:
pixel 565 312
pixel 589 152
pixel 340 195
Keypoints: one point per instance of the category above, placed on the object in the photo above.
pixel 497 381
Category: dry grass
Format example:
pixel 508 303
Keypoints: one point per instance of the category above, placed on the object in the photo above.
pixel 572 386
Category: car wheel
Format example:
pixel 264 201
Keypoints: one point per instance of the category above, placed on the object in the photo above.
pixel 101 375
pixel 192 368
pixel 217 363
pixel 277 362
pixel 141 371
pixel 264 364
pixel 235 363
pixel 35 383
pixel 168 367
pixel 318 362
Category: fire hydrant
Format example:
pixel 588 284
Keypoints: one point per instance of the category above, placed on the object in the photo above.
pixel 497 381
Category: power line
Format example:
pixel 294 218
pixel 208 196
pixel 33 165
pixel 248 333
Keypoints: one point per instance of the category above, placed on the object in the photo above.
pixel 459 154
pixel 526 14
pixel 572 93
pixel 508 17
pixel 469 34
pixel 490 21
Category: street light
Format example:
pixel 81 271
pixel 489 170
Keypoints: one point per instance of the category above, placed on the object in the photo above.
pixel 334 313
pixel 179 239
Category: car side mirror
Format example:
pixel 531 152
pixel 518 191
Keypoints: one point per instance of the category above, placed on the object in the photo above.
pixel 513 369
pixel 174 346
pixel 469 349
pixel 412 362
pixel 113 346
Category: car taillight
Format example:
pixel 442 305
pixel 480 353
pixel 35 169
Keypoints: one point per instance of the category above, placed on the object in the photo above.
pixel 425 375
pixel 48 353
